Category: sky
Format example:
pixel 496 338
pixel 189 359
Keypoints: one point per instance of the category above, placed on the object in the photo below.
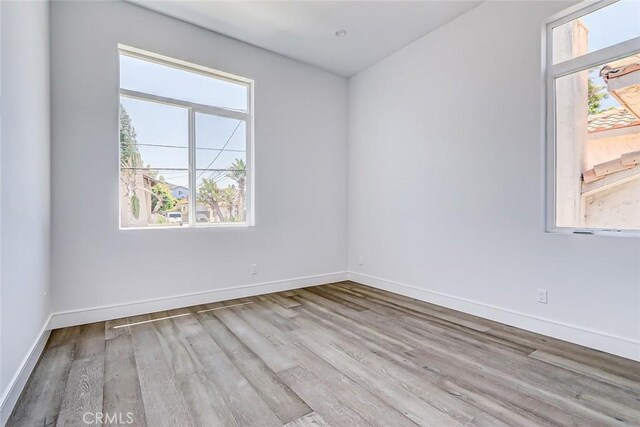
pixel 219 140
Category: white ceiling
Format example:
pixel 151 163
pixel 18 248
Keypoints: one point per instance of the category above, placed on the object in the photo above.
pixel 305 30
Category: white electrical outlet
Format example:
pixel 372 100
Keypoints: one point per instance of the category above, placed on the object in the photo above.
pixel 360 260
pixel 254 268
pixel 541 296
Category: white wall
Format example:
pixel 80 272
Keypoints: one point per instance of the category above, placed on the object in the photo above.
pixel 301 150
pixel 446 186
pixel 25 190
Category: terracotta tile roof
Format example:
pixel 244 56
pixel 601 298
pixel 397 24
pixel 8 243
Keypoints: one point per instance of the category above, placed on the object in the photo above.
pixel 626 161
pixel 611 119
pixel 621 67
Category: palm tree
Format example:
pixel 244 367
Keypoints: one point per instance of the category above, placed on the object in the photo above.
pixel 238 173
pixel 210 194
pixel 228 199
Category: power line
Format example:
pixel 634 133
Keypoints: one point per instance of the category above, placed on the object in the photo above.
pixel 197 148
pixel 178 169
pixel 219 172
pixel 223 147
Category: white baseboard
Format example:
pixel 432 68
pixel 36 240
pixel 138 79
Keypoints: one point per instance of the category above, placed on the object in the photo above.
pixel 621 346
pixel 17 383
pixel 99 314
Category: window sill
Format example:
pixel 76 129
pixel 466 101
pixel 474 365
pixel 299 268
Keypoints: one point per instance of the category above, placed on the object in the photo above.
pixel 593 232
pixel 192 227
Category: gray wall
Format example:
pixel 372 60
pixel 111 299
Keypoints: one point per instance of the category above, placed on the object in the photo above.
pixel 300 150
pixel 25 183
pixel 446 185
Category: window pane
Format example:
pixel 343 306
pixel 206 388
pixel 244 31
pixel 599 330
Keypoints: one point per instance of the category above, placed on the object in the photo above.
pixel 220 169
pixel 598 147
pixel 162 80
pixel 602 28
pixel 154 164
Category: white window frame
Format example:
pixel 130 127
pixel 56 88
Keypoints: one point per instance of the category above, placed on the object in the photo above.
pixel 192 109
pixel 551 73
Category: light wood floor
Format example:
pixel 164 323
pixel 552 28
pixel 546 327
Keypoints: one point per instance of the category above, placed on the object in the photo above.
pixel 339 355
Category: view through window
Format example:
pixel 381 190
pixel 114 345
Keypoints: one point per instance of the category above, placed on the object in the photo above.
pixel 185 151
pixel 594 100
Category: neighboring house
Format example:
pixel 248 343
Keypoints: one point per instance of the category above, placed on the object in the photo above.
pixel 611 181
pixel 178 191
pixel 597 172
pixel 203 212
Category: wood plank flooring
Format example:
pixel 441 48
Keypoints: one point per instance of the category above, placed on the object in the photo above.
pixel 335 355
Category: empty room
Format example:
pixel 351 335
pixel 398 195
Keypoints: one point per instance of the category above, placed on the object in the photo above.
pixel 319 213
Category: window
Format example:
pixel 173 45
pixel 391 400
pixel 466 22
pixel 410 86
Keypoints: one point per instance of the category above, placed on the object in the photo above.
pixel 593 120
pixel 185 144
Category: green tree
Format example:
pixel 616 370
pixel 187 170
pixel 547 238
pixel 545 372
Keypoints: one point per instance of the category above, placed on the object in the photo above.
pixel 596 95
pixel 210 194
pixel 129 160
pixel 238 173
pixel 161 198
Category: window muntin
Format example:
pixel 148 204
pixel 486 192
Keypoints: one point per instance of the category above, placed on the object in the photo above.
pixel 183 154
pixel 593 123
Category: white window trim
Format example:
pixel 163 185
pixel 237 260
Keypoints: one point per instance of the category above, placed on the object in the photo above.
pixel 192 109
pixel 551 73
